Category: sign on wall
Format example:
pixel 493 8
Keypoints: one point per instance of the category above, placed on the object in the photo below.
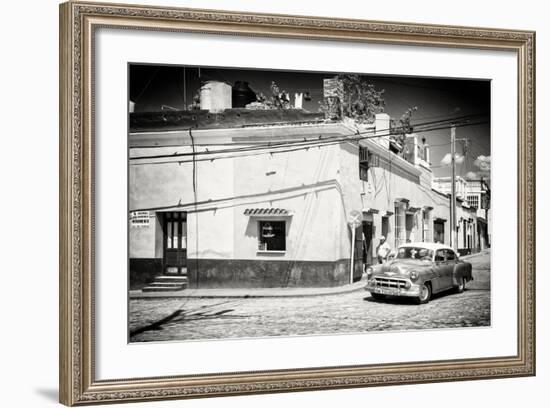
pixel 139 219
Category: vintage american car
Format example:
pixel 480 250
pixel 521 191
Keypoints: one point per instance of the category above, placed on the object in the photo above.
pixel 418 270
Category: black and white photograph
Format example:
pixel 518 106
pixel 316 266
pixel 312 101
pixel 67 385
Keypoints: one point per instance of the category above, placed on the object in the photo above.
pixel 269 203
pixel 275 204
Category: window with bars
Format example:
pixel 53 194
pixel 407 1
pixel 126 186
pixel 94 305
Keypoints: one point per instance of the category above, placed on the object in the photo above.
pixel 473 201
pixel 363 164
pixel 366 160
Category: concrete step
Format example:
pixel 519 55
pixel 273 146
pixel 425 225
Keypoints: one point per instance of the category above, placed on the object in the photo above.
pixel 167 284
pixel 174 278
pixel 157 287
pixel 183 272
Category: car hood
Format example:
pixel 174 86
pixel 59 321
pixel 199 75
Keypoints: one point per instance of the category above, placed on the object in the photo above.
pixel 402 267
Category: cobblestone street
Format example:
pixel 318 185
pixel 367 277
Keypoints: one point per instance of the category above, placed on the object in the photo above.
pixel 355 312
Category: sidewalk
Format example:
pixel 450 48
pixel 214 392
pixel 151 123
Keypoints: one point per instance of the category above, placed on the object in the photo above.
pixel 483 252
pixel 249 292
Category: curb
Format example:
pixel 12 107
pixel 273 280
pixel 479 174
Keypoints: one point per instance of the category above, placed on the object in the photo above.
pixel 250 295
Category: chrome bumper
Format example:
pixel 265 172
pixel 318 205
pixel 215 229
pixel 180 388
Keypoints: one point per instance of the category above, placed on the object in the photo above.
pixel 395 287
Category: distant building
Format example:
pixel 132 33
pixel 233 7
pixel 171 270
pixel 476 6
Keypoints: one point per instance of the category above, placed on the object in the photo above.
pixel 477 195
pixel 236 218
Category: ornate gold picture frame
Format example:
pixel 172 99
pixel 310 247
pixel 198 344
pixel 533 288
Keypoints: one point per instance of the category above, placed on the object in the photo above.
pixel 78 24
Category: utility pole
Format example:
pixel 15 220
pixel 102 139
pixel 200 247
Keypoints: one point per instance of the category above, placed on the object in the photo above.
pixel 454 236
pixel 184 91
pixel 354 221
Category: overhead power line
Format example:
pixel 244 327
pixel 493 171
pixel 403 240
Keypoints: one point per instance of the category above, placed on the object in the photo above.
pixel 256 152
pixel 421 127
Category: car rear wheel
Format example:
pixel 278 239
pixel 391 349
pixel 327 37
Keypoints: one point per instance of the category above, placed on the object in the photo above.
pixel 461 286
pixel 425 294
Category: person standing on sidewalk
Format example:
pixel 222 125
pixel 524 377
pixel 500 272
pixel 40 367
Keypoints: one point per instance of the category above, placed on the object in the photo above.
pixel 383 250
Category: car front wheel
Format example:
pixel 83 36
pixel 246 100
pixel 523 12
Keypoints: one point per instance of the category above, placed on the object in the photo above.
pixel 425 293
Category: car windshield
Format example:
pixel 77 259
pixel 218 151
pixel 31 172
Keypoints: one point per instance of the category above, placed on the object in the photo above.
pixel 423 254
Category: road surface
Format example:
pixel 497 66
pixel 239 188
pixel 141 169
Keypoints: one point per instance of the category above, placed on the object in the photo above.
pixel 355 312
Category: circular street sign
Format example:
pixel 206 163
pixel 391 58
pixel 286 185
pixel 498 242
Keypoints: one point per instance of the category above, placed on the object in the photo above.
pixel 355 218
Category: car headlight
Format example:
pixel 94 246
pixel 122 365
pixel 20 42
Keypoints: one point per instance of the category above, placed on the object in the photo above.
pixel 413 275
pixel 370 272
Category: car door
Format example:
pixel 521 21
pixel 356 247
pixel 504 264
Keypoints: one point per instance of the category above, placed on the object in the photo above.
pixel 448 269
pixel 438 283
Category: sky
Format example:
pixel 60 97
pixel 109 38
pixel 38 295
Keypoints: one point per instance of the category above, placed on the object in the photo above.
pixel 151 86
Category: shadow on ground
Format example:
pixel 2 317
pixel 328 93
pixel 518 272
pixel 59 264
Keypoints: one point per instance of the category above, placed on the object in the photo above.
pixel 402 300
pixel 182 316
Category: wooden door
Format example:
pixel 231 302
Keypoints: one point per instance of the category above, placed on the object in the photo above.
pixel 175 242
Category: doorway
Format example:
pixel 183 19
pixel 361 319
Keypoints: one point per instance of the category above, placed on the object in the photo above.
pixel 386 227
pixel 175 243
pixel 439 231
pixel 409 225
pixel 368 233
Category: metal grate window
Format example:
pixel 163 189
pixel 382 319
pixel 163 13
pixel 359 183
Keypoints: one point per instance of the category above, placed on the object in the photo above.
pixel 473 201
pixel 363 164
pixel 366 160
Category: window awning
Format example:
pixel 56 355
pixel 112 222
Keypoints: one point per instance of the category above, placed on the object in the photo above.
pixel 370 210
pixel 268 212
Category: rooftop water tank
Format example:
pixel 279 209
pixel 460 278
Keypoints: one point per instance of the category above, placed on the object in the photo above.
pixel 215 96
